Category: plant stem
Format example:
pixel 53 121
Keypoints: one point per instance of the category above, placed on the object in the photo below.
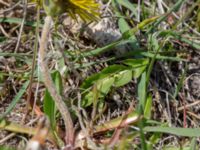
pixel 69 135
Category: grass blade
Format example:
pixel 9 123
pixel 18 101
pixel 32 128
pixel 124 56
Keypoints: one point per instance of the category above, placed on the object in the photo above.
pixel 188 132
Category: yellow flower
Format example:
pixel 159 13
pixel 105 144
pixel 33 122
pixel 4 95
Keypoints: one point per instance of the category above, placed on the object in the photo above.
pixel 85 9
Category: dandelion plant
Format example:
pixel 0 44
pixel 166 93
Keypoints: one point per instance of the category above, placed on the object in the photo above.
pixel 87 10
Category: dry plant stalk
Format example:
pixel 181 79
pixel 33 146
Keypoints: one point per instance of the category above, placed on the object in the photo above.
pixel 69 135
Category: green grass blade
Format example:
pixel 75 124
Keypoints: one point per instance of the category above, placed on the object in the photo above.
pixel 141 92
pixel 147 110
pixel 191 43
pixel 142 135
pixel 18 21
pixel 105 48
pixel 188 132
pixel 151 54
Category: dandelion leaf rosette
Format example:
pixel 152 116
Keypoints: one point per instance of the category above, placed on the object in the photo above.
pixel 85 9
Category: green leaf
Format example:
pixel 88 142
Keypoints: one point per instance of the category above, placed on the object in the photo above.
pixel 188 132
pixel 104 85
pixel 139 65
pixel 136 62
pixel 141 92
pixel 49 104
pixel 112 76
pixel 123 78
pixel 138 71
pixel 104 73
pixel 124 27
pixel 16 99
pixel 147 110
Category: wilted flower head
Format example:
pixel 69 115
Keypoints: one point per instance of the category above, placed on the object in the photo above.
pixel 85 9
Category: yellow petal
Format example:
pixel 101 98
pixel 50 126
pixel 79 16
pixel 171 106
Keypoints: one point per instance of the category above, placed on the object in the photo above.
pixel 86 9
